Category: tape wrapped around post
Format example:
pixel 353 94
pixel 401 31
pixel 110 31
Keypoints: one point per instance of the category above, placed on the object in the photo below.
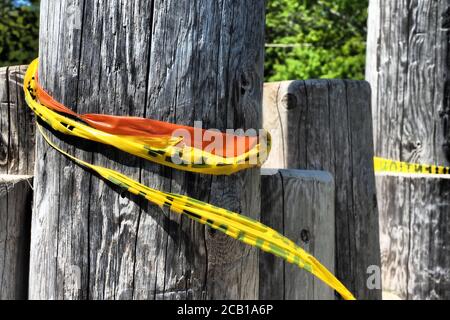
pixel 388 167
pixel 235 225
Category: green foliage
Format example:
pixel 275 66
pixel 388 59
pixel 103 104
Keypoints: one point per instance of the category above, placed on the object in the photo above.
pixel 19 32
pixel 329 38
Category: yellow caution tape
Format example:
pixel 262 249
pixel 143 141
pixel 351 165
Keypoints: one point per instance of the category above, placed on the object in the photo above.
pixel 190 159
pixel 398 168
pixel 237 226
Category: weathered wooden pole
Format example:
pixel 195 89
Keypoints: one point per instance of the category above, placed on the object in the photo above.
pixel 326 125
pixel 16 165
pixel 15 216
pixel 17 132
pixel 176 61
pixel 408 67
pixel 300 204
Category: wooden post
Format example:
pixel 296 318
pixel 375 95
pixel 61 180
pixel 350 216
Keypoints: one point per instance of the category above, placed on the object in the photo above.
pixel 16 124
pixel 15 217
pixel 300 204
pixel 326 125
pixel 176 61
pixel 16 164
pixel 408 67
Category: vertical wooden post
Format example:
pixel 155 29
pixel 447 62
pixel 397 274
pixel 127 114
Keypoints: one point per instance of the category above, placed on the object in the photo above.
pixel 16 124
pixel 176 61
pixel 301 205
pixel 326 125
pixel 16 164
pixel 408 67
pixel 15 216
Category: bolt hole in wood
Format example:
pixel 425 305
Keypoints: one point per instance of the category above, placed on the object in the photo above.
pixel 305 235
pixel 289 101
pixel 411 145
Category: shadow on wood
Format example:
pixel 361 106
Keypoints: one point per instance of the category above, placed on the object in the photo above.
pixel 408 68
pixel 299 204
pixel 17 140
pixel 17 131
pixel 327 125
pixel 15 216
pixel 175 61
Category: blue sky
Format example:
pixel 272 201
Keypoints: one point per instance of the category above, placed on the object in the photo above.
pixel 21 2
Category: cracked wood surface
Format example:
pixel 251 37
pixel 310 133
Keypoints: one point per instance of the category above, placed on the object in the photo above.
pixel 327 125
pixel 15 215
pixel 176 61
pixel 408 68
pixel 17 138
pixel 300 205
pixel 17 132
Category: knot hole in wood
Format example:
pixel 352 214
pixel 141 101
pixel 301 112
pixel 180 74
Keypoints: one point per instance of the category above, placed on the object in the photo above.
pixel 305 236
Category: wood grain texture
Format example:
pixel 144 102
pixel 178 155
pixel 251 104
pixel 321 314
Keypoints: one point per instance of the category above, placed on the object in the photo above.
pixel 17 132
pixel 15 216
pixel 175 61
pixel 299 204
pixel 408 68
pixel 327 125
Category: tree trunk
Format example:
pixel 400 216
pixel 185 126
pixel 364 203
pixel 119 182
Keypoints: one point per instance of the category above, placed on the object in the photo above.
pixel 326 125
pixel 300 204
pixel 175 61
pixel 408 67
